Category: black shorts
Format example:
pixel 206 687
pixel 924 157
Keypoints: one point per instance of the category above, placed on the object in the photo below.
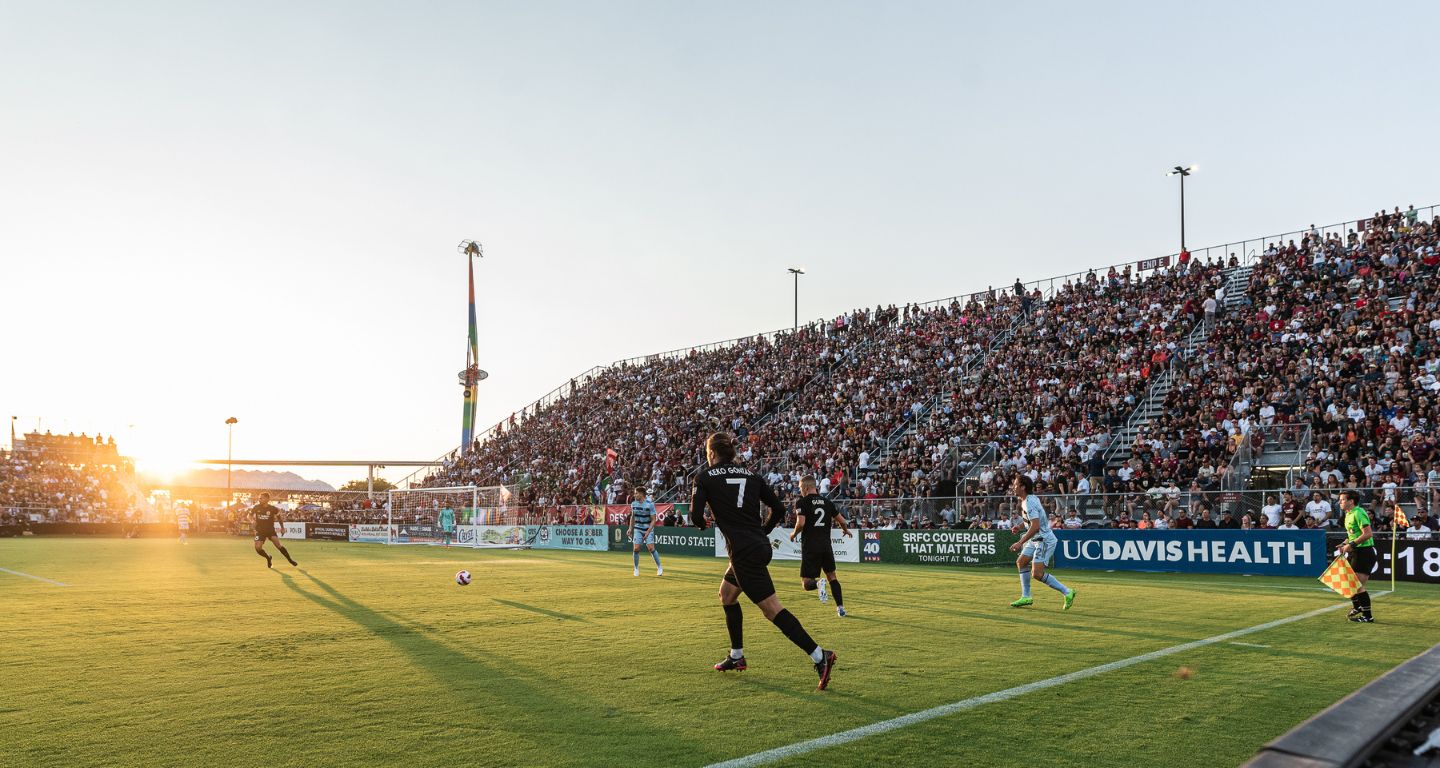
pixel 812 562
pixel 261 535
pixel 748 571
pixel 1363 560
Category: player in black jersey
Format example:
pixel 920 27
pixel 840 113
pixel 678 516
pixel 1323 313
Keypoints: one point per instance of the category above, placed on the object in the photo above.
pixel 266 518
pixel 813 515
pixel 734 495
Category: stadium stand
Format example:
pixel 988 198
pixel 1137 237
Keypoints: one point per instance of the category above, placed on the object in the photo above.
pixel 66 478
pixel 1132 394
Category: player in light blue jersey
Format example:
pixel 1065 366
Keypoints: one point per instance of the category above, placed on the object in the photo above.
pixel 642 529
pixel 1036 545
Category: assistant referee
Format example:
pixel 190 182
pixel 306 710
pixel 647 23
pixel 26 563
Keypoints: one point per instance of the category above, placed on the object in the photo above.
pixel 1360 547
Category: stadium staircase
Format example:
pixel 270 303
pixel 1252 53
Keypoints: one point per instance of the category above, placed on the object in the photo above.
pixel 1237 286
pixel 675 491
pixel 882 449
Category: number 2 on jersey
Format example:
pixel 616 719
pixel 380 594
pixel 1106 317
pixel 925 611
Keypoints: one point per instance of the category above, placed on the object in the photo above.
pixel 739 492
pixel 819 518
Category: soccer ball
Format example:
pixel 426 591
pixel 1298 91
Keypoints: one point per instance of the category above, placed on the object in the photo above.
pixel 462 578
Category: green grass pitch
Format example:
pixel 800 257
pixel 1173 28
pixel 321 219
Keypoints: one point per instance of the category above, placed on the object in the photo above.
pixel 162 654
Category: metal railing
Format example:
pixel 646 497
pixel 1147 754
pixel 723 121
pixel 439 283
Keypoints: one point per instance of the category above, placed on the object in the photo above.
pixel 1106 508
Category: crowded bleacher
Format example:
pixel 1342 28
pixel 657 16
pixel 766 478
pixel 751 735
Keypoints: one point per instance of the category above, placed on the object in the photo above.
pixel 69 478
pixel 1330 342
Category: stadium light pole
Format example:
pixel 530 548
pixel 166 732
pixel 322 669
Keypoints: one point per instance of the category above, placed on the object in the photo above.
pixel 229 459
pixel 1182 173
pixel 797 272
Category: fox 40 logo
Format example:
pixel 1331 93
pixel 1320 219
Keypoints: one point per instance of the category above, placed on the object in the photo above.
pixel 870 546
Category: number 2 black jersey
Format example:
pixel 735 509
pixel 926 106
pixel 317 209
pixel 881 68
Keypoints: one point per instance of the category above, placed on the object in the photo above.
pixel 819 513
pixel 734 495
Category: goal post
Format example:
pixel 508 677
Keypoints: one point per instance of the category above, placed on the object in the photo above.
pixel 481 517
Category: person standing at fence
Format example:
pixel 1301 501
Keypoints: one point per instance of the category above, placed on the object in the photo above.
pixel 1359 546
pixel 267 517
pixel 734 496
pixel 642 528
pixel 813 517
pixel 1036 546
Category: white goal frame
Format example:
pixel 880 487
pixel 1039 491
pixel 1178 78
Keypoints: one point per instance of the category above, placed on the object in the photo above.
pixel 481 534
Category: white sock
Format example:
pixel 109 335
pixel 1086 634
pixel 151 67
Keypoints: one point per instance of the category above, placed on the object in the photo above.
pixel 737 653
pixel 817 655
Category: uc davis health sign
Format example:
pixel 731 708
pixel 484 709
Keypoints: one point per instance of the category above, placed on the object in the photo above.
pixel 1257 553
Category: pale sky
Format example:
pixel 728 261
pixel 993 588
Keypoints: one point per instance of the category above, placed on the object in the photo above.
pixel 251 210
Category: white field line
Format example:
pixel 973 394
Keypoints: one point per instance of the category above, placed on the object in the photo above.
pixel 37 578
pixel 885 726
pixel 1249 645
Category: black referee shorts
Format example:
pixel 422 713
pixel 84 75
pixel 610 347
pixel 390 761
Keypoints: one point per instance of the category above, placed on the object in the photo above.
pixel 813 562
pixel 748 570
pixel 1363 560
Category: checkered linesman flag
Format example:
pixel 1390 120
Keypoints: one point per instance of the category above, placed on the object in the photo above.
pixel 1341 577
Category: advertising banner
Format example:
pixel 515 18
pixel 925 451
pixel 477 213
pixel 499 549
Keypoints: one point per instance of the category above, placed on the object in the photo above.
pixel 943 547
pixel 1257 553
pixel 369 533
pixel 619 514
pixel 507 536
pixel 406 533
pixel 585 537
pixel 846 548
pixel 669 541
pixel 1414 560
pixel 293 531
pixel 327 531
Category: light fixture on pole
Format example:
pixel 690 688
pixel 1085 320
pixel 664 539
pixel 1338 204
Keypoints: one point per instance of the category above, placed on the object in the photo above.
pixel 1182 173
pixel 229 458
pixel 797 272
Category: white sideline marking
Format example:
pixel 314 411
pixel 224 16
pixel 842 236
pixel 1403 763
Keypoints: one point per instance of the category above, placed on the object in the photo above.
pixel 885 726
pixel 1250 645
pixel 37 578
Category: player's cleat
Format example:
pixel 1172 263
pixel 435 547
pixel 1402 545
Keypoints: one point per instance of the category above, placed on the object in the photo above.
pixel 292 561
pixel 659 571
pixel 1022 602
pixel 823 668
pixel 269 563
pixel 840 611
pixel 637 570
pixel 1354 612
pixel 730 663
pixel 824 596
pixel 1069 600
pixel 1362 619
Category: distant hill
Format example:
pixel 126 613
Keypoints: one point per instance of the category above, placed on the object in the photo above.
pixel 248 480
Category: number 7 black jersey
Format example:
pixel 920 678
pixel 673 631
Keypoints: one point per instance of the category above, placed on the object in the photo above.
pixel 819 513
pixel 734 495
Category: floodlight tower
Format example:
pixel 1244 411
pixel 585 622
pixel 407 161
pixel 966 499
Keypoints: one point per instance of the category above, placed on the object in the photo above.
pixel 1182 173
pixel 797 272
pixel 472 375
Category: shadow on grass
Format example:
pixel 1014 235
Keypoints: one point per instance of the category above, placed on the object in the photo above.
pixel 1016 617
pixel 542 611
pixel 558 723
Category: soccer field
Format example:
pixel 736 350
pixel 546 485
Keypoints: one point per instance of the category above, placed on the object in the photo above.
pixel 151 653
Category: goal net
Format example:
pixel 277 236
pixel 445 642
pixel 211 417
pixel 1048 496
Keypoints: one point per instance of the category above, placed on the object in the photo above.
pixel 466 516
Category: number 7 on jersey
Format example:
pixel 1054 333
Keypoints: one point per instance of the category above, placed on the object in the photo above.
pixel 739 492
